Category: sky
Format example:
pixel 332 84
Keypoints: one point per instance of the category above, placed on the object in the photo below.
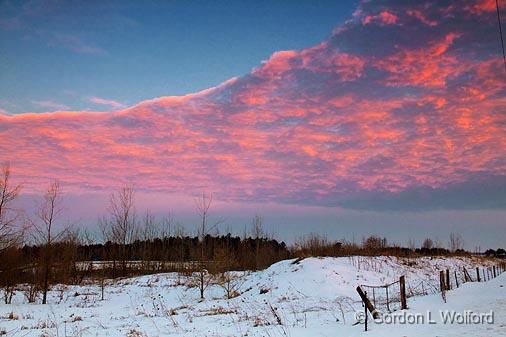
pixel 345 118
pixel 103 55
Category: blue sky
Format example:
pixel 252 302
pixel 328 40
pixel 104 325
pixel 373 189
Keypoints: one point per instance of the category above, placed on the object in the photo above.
pixel 58 55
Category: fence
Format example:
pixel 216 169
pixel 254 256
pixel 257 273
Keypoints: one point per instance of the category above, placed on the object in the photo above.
pixel 451 279
pixel 393 296
pixel 387 296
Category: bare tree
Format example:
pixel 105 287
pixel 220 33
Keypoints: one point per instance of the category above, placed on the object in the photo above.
pixel 257 233
pixel 9 234
pixel 47 213
pixel 166 226
pixel 120 226
pixel 180 233
pixel 122 211
pixel 455 242
pixel 202 206
pixel 427 243
pixel 148 231
pixel 374 243
pixel 411 244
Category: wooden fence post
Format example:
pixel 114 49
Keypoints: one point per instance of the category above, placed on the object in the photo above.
pixel 478 274
pixel 367 303
pixel 442 284
pixel 456 280
pixel 466 276
pixel 365 312
pixel 402 284
pixel 388 304
pixel 373 297
pixel 448 283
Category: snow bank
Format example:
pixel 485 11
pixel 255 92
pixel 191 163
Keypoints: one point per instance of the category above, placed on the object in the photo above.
pixel 315 296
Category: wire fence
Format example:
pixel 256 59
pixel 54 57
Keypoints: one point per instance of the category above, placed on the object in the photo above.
pixel 389 297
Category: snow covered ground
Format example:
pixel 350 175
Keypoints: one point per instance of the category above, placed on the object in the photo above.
pixel 314 297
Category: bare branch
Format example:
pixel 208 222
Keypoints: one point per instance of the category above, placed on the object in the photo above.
pixel 10 235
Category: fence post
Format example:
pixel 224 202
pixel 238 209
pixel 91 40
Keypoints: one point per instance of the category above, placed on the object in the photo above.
pixel 448 283
pixel 365 312
pixel 388 305
pixel 442 284
pixel 466 279
pixel 478 274
pixel 442 281
pixel 367 303
pixel 402 284
pixel 373 297
pixel 456 280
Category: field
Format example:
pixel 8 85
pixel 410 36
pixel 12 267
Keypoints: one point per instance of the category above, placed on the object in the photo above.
pixel 310 297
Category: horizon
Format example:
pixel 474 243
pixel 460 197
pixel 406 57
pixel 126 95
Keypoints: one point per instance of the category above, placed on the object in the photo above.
pixel 345 119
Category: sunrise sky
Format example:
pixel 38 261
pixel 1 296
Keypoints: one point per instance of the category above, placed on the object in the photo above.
pixel 346 118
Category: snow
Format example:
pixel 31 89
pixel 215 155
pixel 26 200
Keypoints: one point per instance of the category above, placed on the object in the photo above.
pixel 313 297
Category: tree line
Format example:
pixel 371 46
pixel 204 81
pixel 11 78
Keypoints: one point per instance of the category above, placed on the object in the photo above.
pixel 39 251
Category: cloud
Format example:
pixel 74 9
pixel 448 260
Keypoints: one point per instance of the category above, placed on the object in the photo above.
pixel 430 67
pixel 29 18
pixel 474 194
pixel 71 42
pixel 404 114
pixel 108 102
pixel 49 104
pixel 383 18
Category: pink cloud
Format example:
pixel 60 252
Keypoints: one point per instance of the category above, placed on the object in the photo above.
pixel 421 16
pixel 429 67
pixel 482 6
pixel 316 125
pixel 108 102
pixel 385 18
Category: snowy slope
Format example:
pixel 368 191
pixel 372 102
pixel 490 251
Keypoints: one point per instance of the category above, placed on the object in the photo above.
pixel 314 297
